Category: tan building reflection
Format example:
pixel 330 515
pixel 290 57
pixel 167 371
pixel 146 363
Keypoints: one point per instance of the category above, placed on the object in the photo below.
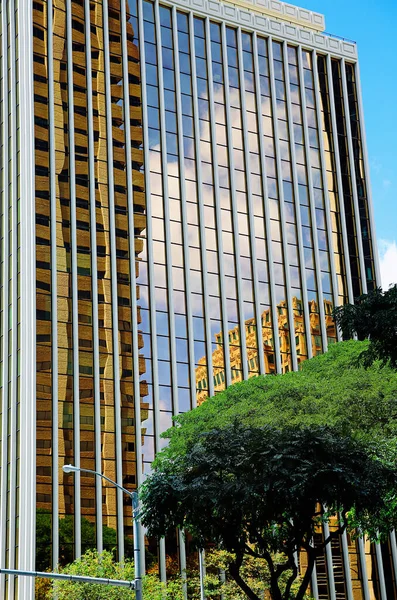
pixel 59 175
pixel 268 345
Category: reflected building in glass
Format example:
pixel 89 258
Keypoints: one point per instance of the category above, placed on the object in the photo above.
pixel 184 199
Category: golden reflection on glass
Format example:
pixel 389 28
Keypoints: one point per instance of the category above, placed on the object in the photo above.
pixel 43 261
pixel 268 344
pixel 130 429
pixel 63 185
pixel 84 267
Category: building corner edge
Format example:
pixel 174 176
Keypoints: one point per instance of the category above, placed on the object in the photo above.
pixel 27 497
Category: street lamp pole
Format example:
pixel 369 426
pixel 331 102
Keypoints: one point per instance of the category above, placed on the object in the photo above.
pixel 135 521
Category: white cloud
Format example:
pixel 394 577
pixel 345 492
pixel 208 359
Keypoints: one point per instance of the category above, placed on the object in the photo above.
pixel 386 183
pixel 388 263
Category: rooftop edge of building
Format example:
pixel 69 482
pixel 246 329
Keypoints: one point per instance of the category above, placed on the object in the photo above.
pixel 285 12
pixel 277 19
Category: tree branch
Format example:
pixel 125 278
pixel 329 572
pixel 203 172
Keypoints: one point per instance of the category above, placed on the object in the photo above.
pixel 282 567
pixel 269 560
pixel 234 571
pixel 251 552
pixel 311 557
pixel 291 580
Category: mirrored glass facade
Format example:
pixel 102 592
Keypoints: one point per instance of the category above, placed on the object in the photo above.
pixel 185 197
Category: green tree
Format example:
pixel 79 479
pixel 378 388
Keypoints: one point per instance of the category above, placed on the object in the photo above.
pixel 256 491
pixel 254 571
pixel 331 389
pixel 93 564
pixel 373 316
pixel 66 539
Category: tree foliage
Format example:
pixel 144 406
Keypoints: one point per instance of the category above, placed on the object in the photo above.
pixel 67 537
pixel 248 469
pixel 331 389
pixel 94 564
pixel 256 491
pixel 373 316
pixel 253 570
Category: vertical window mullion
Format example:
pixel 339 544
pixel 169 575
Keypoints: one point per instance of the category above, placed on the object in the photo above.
pixel 168 256
pixel 259 330
pixel 132 261
pixel 185 233
pixel 217 199
pixel 75 308
pixel 325 184
pixel 329 563
pixel 347 566
pixel 54 293
pixel 292 347
pixel 353 177
pixel 185 241
pixel 14 401
pixel 265 193
pixel 153 326
pixel 364 573
pixel 320 299
pixel 150 258
pixel 27 282
pixel 339 180
pixel 207 326
pixel 305 300
pixel 5 229
pixel 113 245
pixel 367 173
pixel 242 341
pixel 393 545
pixel 94 275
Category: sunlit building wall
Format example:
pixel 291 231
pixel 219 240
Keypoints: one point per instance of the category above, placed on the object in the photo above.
pixel 184 199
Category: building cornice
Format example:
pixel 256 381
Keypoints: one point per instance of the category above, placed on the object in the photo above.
pixel 277 19
pixel 284 12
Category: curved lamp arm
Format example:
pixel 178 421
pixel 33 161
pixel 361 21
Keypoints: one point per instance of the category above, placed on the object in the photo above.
pixel 73 469
pixel 135 516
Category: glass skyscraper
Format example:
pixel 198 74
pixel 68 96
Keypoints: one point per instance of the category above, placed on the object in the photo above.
pixel 184 199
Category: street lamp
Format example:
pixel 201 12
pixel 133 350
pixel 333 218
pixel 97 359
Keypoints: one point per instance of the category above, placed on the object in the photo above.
pixel 135 518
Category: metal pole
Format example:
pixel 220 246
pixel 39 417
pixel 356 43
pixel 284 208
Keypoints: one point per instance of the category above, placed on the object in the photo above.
pixel 66 577
pixel 222 579
pixel 202 574
pixel 137 546
pixel 135 522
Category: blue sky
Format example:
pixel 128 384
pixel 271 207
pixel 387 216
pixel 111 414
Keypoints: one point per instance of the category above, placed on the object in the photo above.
pixel 372 24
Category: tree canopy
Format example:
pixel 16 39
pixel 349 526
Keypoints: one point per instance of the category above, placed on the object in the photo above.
pixel 373 316
pixel 250 469
pixel 332 389
pixel 258 490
